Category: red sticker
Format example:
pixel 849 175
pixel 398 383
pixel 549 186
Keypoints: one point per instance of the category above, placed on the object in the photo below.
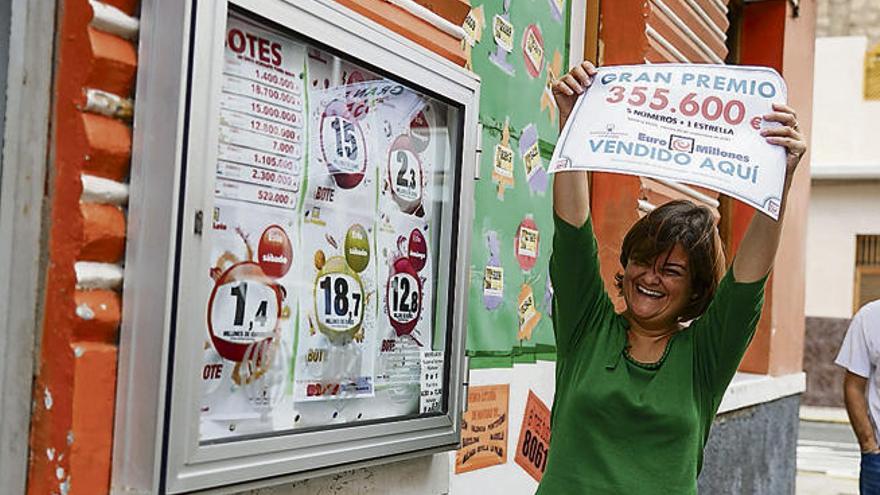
pixel 417 250
pixel 526 243
pixel 420 130
pixel 274 252
pixel 533 50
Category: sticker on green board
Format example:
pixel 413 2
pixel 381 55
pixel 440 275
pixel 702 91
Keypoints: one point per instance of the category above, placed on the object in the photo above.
pixel 557 9
pixel 533 50
pixel 473 27
pixel 502 162
pixel 533 165
pixel 502 32
pixel 527 313
pixel 525 243
pixel 493 274
pixel 553 70
pixel 548 296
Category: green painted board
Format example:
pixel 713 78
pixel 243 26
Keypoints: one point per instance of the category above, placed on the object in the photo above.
pixel 513 194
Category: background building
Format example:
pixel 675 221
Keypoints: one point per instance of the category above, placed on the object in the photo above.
pixel 844 214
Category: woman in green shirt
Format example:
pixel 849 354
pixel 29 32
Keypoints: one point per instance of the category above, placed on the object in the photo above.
pixel 636 392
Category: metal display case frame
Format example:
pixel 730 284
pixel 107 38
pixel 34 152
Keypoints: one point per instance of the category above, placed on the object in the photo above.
pixel 156 444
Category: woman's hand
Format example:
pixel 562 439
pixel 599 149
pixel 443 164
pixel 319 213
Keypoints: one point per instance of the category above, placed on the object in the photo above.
pixel 571 192
pixel 569 87
pixel 787 135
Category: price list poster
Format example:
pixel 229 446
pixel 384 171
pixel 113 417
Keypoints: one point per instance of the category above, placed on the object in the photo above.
pixel 254 235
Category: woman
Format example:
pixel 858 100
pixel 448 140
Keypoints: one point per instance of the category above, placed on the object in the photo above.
pixel 636 392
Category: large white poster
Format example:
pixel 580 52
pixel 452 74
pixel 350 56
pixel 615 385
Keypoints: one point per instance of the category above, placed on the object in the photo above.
pixel 698 124
pixel 323 243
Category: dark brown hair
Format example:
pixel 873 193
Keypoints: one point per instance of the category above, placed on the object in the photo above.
pixel 691 226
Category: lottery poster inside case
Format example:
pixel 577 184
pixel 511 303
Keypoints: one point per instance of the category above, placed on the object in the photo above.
pixel 324 291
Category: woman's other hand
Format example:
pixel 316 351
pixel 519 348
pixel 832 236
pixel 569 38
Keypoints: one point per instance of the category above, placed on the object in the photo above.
pixel 788 135
pixel 569 87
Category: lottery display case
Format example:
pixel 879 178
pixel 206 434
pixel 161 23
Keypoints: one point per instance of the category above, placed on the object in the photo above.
pixel 306 178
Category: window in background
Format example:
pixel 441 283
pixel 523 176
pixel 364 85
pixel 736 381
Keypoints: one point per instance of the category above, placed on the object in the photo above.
pixel 867 276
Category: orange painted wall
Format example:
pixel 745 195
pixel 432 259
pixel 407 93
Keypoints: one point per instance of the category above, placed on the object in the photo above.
pixel 787 343
pixel 414 28
pixel 75 387
pixel 773 37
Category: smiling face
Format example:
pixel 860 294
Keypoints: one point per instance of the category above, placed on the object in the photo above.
pixel 658 291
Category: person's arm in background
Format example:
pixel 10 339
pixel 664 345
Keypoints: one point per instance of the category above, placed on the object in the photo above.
pixel 571 192
pixel 758 248
pixel 857 409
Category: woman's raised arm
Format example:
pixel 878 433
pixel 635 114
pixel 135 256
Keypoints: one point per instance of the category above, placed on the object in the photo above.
pixel 571 193
pixel 758 248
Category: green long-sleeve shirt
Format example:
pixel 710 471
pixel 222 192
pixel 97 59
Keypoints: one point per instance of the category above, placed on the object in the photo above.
pixel 619 426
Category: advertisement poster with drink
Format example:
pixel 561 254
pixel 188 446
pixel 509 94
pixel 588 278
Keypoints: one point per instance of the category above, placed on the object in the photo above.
pixel 698 124
pixel 337 335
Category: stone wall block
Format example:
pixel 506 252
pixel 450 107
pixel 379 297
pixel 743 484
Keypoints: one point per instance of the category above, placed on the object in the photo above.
pixel 113 63
pixel 103 233
pixel 99 313
pixel 91 438
pixel 109 147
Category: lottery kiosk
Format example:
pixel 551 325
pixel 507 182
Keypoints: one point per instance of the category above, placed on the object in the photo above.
pixel 301 209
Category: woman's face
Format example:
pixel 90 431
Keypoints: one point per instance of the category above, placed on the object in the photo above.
pixel 657 292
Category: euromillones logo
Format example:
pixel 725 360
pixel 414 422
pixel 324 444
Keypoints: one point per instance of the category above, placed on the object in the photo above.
pixel 681 144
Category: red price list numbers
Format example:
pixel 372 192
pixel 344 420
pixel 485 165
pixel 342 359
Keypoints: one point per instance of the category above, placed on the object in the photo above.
pixel 259 91
pixel 709 108
pixel 260 126
pixel 258 176
pixel 288 116
pixel 256 194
